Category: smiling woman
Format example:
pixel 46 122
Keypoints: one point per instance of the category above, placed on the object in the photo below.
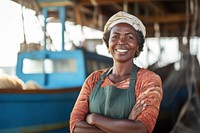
pixel 125 97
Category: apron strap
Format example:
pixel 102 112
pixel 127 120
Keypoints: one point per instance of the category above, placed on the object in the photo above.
pixel 133 77
pixel 132 82
pixel 99 82
pixel 106 73
pixel 101 79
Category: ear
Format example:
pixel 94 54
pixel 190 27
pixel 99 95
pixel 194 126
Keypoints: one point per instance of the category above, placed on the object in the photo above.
pixel 137 52
pixel 137 48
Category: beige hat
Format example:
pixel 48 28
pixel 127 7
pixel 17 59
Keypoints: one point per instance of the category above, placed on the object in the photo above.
pixel 124 17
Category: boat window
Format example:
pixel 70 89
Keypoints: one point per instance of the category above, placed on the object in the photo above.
pixel 33 66
pixel 60 65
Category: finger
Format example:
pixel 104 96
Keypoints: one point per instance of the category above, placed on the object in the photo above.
pixel 139 107
pixel 139 104
pixel 135 112
pixel 88 118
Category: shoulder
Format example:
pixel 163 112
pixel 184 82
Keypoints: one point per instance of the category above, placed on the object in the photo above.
pixel 94 76
pixel 146 72
pixel 97 73
pixel 147 75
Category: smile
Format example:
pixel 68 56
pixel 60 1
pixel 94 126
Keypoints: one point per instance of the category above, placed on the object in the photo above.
pixel 121 50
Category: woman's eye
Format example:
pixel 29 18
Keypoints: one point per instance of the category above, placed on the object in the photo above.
pixel 129 37
pixel 114 37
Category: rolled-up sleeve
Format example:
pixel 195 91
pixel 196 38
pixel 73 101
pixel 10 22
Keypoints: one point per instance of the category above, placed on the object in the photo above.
pixel 80 108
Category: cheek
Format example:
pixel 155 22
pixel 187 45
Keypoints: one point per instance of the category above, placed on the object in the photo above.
pixel 134 45
pixel 110 44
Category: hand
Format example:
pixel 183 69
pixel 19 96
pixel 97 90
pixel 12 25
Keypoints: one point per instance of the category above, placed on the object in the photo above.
pixel 137 109
pixel 90 118
pixel 83 127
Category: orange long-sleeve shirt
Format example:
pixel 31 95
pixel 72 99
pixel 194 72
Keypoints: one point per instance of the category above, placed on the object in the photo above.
pixel 148 87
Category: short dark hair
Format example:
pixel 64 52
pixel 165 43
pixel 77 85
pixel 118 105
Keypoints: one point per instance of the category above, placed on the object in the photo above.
pixel 139 36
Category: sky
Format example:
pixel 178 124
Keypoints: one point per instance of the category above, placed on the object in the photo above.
pixel 12 34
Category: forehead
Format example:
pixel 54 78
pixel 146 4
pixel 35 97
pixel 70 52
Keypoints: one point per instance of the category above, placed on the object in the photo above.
pixel 123 27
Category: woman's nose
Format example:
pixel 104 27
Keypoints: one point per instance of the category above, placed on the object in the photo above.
pixel 121 40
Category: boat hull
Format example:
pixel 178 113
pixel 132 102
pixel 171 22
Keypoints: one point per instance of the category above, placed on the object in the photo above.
pixel 36 110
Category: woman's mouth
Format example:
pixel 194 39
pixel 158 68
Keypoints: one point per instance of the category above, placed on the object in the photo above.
pixel 121 50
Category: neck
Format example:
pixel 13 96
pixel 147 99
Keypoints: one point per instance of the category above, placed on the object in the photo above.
pixel 122 69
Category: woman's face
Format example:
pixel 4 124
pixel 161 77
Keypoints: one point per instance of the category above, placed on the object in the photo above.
pixel 123 42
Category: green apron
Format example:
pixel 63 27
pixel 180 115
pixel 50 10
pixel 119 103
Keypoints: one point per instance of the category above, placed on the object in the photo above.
pixel 112 101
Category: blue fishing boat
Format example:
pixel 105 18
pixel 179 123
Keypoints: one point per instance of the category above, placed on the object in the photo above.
pixel 36 111
pixel 59 74
pixel 47 109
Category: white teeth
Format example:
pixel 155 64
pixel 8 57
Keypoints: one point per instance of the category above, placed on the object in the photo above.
pixel 121 50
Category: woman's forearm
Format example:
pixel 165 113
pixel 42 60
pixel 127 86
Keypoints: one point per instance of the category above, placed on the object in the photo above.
pixel 110 125
pixel 83 127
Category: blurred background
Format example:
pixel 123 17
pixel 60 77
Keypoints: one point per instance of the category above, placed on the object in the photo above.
pixel 58 43
pixel 25 24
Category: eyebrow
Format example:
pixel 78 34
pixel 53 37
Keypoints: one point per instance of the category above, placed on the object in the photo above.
pixel 129 33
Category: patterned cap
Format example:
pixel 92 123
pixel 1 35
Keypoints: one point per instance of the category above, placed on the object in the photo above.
pixel 124 17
